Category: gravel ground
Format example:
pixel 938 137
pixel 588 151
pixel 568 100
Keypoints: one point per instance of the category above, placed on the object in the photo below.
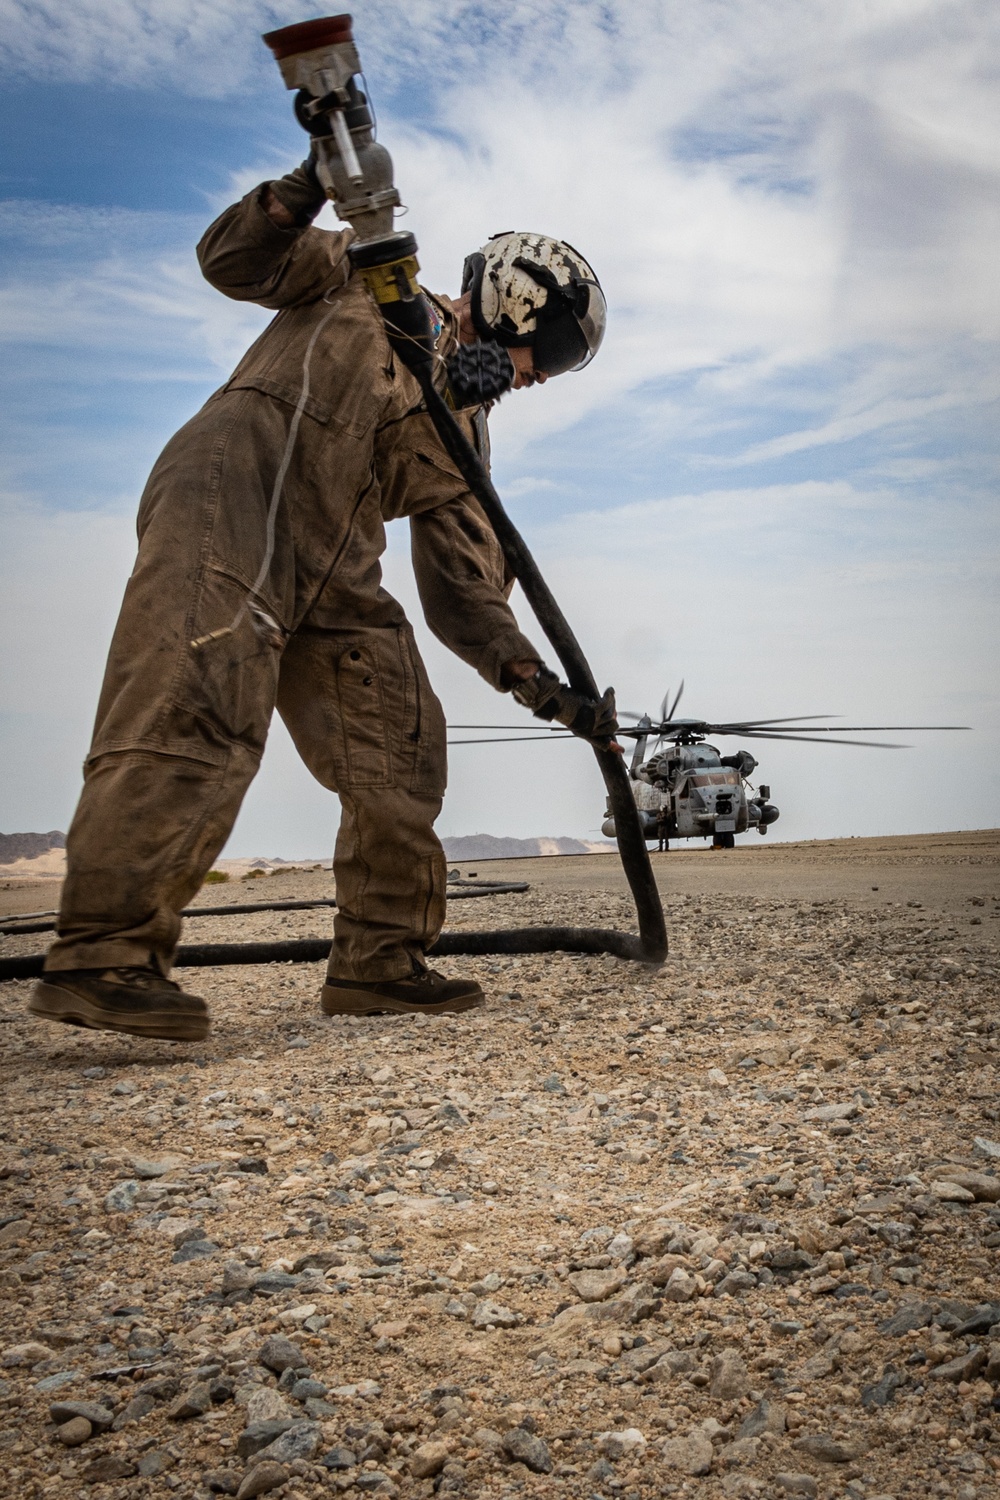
pixel 730 1227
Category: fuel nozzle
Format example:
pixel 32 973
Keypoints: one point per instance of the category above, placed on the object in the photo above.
pixel 320 61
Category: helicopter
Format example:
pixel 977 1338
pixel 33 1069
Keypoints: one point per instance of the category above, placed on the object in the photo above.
pixel 688 789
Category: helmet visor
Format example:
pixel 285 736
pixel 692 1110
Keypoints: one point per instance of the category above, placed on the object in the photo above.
pixel 593 322
pixel 570 340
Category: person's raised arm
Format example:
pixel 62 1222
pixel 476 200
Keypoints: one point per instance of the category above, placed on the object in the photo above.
pixel 263 248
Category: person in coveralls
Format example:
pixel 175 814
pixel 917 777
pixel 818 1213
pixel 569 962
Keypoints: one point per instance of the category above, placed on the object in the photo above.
pixel 257 583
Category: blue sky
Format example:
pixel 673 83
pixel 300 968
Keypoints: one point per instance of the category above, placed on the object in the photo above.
pixel 777 481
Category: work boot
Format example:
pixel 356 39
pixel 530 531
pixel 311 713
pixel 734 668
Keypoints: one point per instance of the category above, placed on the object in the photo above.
pixel 422 993
pixel 139 1001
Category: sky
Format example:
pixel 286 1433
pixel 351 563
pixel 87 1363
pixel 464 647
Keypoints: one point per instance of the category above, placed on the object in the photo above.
pixel 778 479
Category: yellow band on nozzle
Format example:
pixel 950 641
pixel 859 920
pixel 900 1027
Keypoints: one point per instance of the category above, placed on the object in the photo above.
pixel 394 282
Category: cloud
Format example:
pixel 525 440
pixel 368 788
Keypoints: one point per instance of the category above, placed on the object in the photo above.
pixel 794 210
pixel 107 279
pixel 877 604
pixel 761 191
pixel 874 418
pixel 61 577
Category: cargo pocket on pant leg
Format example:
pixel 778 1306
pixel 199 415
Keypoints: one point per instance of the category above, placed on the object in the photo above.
pixel 362 718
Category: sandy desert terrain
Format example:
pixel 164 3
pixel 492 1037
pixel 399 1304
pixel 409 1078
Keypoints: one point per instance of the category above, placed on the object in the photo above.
pixel 729 1227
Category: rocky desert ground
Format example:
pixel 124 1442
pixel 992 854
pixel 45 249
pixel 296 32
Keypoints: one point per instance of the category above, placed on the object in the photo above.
pixel 727 1227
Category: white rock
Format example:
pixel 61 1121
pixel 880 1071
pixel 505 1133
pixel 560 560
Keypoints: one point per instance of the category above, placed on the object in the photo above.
pixel 295 1315
pixel 950 1192
pixel 146 1167
pixel 616 1445
pixel 681 1287
pixel 174 1225
pixel 595 1286
pixel 827 1114
pixel 691 1454
pixel 620 1246
pixel 984 1189
pixel 491 1314
pixel 24 1354
pixel 266 1405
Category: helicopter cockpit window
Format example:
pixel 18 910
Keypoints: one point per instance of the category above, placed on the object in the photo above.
pixel 716 778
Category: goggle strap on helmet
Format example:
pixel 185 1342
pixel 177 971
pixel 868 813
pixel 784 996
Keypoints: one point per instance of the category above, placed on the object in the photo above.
pixel 559 343
pixel 567 295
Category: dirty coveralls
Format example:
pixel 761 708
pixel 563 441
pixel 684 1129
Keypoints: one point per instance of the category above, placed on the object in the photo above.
pixel 180 731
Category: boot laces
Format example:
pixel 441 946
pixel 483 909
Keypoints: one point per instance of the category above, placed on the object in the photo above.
pixel 139 978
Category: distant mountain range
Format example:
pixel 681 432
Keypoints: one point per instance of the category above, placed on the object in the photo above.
pixel 486 846
pixel 28 845
pixel 18 846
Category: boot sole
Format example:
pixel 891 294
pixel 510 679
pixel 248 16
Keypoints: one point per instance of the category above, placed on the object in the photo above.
pixel 52 1003
pixel 338 1002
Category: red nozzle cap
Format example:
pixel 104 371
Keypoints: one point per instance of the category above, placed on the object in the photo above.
pixel 308 36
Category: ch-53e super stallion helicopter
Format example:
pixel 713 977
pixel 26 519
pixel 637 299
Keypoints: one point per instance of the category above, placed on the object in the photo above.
pixel 688 790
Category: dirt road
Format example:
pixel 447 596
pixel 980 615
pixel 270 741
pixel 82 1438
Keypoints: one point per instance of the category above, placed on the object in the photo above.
pixel 728 1228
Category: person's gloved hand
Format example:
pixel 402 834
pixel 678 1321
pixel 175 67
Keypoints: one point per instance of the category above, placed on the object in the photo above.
pixel 552 700
pixel 301 192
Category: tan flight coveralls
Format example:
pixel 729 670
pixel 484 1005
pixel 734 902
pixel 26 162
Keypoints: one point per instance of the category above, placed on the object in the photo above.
pixel 180 731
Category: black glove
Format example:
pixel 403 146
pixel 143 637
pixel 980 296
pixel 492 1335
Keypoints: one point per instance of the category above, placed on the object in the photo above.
pixel 550 699
pixel 300 192
pixel 479 373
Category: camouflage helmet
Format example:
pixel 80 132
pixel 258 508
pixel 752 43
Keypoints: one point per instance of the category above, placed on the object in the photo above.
pixel 529 289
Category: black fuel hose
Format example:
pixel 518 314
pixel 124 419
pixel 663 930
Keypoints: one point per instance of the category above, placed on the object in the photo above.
pixel 652 941
pixel 317 950
pixel 456 890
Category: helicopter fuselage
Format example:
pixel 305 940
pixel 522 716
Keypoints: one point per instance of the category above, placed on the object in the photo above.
pixel 689 790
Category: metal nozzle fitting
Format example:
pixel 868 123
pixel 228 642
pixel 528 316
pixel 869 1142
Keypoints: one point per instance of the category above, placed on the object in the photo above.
pixel 320 61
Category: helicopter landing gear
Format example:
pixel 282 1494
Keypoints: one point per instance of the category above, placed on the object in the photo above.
pixel 724 841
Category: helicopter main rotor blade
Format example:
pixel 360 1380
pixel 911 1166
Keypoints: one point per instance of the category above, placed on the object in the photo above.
pixel 524 740
pixel 680 692
pixel 883 728
pixel 766 723
pixel 800 739
pixel 512 728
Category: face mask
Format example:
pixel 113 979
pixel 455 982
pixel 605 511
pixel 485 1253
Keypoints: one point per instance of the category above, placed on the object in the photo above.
pixel 479 373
